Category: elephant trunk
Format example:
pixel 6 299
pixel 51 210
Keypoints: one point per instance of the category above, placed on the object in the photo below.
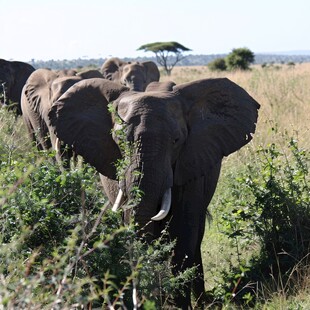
pixel 154 184
pixel 135 86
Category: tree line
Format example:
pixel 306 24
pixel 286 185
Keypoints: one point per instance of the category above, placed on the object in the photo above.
pixel 170 54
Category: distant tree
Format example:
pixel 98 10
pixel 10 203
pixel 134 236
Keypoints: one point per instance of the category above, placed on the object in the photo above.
pixel 218 64
pixel 264 65
pixel 240 58
pixel 291 64
pixel 163 52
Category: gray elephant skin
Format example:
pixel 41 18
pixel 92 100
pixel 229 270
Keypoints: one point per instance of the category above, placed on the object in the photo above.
pixel 134 75
pixel 13 76
pixel 182 132
pixel 43 87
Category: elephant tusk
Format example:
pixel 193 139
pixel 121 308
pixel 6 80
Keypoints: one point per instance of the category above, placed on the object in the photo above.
pixel 117 201
pixel 57 145
pixel 165 206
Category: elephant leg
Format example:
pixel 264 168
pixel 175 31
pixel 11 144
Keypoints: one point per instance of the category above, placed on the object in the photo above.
pixel 31 133
pixel 42 138
pixel 188 226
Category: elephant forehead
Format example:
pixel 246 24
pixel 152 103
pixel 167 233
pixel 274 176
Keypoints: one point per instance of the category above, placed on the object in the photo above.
pixel 132 67
pixel 144 104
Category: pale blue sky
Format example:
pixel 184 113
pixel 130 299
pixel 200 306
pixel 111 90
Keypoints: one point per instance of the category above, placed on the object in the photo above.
pixel 68 29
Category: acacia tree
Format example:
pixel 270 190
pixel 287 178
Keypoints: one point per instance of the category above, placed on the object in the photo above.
pixel 163 52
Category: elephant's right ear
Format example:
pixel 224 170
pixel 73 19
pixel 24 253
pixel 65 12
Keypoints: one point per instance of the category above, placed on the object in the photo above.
pixel 221 118
pixel 82 120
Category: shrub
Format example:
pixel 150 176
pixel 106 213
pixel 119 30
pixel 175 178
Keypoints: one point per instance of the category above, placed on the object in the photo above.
pixel 269 209
pixel 60 245
pixel 240 58
pixel 218 64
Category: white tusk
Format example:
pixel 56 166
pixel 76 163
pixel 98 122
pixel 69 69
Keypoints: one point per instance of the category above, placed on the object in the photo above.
pixel 165 206
pixel 57 145
pixel 117 201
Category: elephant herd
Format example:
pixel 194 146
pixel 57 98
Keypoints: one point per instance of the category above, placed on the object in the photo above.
pixel 181 133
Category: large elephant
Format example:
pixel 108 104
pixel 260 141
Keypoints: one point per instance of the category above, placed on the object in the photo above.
pixel 43 87
pixel 135 75
pixel 181 133
pixel 13 76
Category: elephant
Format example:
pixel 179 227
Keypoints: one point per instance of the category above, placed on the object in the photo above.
pixel 91 73
pixel 180 135
pixel 43 87
pixel 13 76
pixel 135 75
pixel 65 72
pixel 160 86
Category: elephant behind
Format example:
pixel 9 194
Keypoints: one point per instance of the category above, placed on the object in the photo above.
pixel 44 87
pixel 89 74
pixel 135 75
pixel 182 133
pixel 13 76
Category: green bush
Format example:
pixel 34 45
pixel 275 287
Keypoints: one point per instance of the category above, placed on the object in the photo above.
pixel 61 246
pixel 240 58
pixel 268 210
pixel 218 64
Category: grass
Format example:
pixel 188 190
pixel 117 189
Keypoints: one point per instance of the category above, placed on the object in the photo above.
pixel 57 277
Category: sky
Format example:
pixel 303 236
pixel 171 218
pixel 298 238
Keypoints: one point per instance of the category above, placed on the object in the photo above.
pixel 71 29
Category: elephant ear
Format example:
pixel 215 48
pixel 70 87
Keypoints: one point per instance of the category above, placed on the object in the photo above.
pixel 37 89
pixel 21 72
pixel 110 68
pixel 152 72
pixel 221 118
pixel 82 120
pixel 62 84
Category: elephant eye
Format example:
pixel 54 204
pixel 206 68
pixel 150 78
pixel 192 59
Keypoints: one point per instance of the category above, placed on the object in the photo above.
pixel 175 141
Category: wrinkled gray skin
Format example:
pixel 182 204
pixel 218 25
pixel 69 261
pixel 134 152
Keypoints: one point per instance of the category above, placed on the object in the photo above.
pixel 13 76
pixel 182 131
pixel 42 88
pixel 91 73
pixel 134 75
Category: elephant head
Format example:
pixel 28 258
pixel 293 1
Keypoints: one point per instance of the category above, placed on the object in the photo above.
pixel 180 134
pixel 134 75
pixel 13 76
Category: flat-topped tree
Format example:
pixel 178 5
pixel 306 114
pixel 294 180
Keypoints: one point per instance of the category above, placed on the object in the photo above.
pixel 163 51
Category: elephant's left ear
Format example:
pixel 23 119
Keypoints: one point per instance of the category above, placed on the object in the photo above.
pixel 221 118
pixel 152 72
pixel 81 119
